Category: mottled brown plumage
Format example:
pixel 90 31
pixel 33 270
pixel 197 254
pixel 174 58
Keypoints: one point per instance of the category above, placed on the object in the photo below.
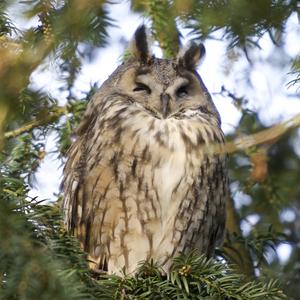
pixel 137 182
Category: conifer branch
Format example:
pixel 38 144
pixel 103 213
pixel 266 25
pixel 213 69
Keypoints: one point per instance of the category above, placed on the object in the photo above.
pixel 53 116
pixel 161 14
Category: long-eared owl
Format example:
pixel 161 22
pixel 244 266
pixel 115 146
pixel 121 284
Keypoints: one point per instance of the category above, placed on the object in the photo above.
pixel 138 182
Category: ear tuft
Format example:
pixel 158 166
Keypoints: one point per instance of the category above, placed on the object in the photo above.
pixel 190 57
pixel 139 45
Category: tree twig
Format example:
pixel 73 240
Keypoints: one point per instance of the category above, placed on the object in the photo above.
pixel 237 252
pixel 265 136
pixel 57 113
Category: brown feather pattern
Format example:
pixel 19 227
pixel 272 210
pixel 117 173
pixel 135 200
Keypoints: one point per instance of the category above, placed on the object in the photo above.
pixel 140 186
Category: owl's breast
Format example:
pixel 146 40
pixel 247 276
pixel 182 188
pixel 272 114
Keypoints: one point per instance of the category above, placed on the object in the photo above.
pixel 167 158
pixel 143 181
pixel 163 156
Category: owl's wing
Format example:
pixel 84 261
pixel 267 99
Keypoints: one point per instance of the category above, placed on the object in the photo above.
pixel 77 204
pixel 207 209
pixel 72 183
pixel 217 196
pixel 75 168
pixel 85 183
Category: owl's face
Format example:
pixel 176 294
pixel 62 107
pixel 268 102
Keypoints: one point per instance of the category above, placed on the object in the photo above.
pixel 163 87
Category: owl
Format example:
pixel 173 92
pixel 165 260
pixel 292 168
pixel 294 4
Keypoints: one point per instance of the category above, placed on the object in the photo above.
pixel 138 183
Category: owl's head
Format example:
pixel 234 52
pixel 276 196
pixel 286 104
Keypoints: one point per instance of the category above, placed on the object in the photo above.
pixel 164 87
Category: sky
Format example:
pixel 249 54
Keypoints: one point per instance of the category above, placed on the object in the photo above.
pixel 264 85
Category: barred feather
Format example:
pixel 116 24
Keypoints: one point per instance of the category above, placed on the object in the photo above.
pixel 138 185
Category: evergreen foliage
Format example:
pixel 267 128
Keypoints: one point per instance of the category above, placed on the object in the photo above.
pixel 38 259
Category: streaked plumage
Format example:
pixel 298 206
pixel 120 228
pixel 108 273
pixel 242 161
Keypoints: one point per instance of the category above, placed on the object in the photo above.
pixel 137 182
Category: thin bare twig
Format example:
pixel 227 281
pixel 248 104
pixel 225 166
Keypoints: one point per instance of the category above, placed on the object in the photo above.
pixel 57 113
pixel 264 136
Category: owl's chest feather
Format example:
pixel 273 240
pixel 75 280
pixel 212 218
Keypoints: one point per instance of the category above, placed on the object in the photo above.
pixel 165 165
pixel 160 143
pixel 144 176
pixel 166 153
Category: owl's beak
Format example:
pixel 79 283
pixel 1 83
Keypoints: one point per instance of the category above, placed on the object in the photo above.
pixel 165 99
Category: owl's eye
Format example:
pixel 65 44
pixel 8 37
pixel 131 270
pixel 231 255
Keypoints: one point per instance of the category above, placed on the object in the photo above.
pixel 140 87
pixel 182 91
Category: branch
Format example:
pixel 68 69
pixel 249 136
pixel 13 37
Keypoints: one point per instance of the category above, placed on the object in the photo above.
pixel 264 136
pixel 164 26
pixel 53 116
pixel 269 135
pixel 237 252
